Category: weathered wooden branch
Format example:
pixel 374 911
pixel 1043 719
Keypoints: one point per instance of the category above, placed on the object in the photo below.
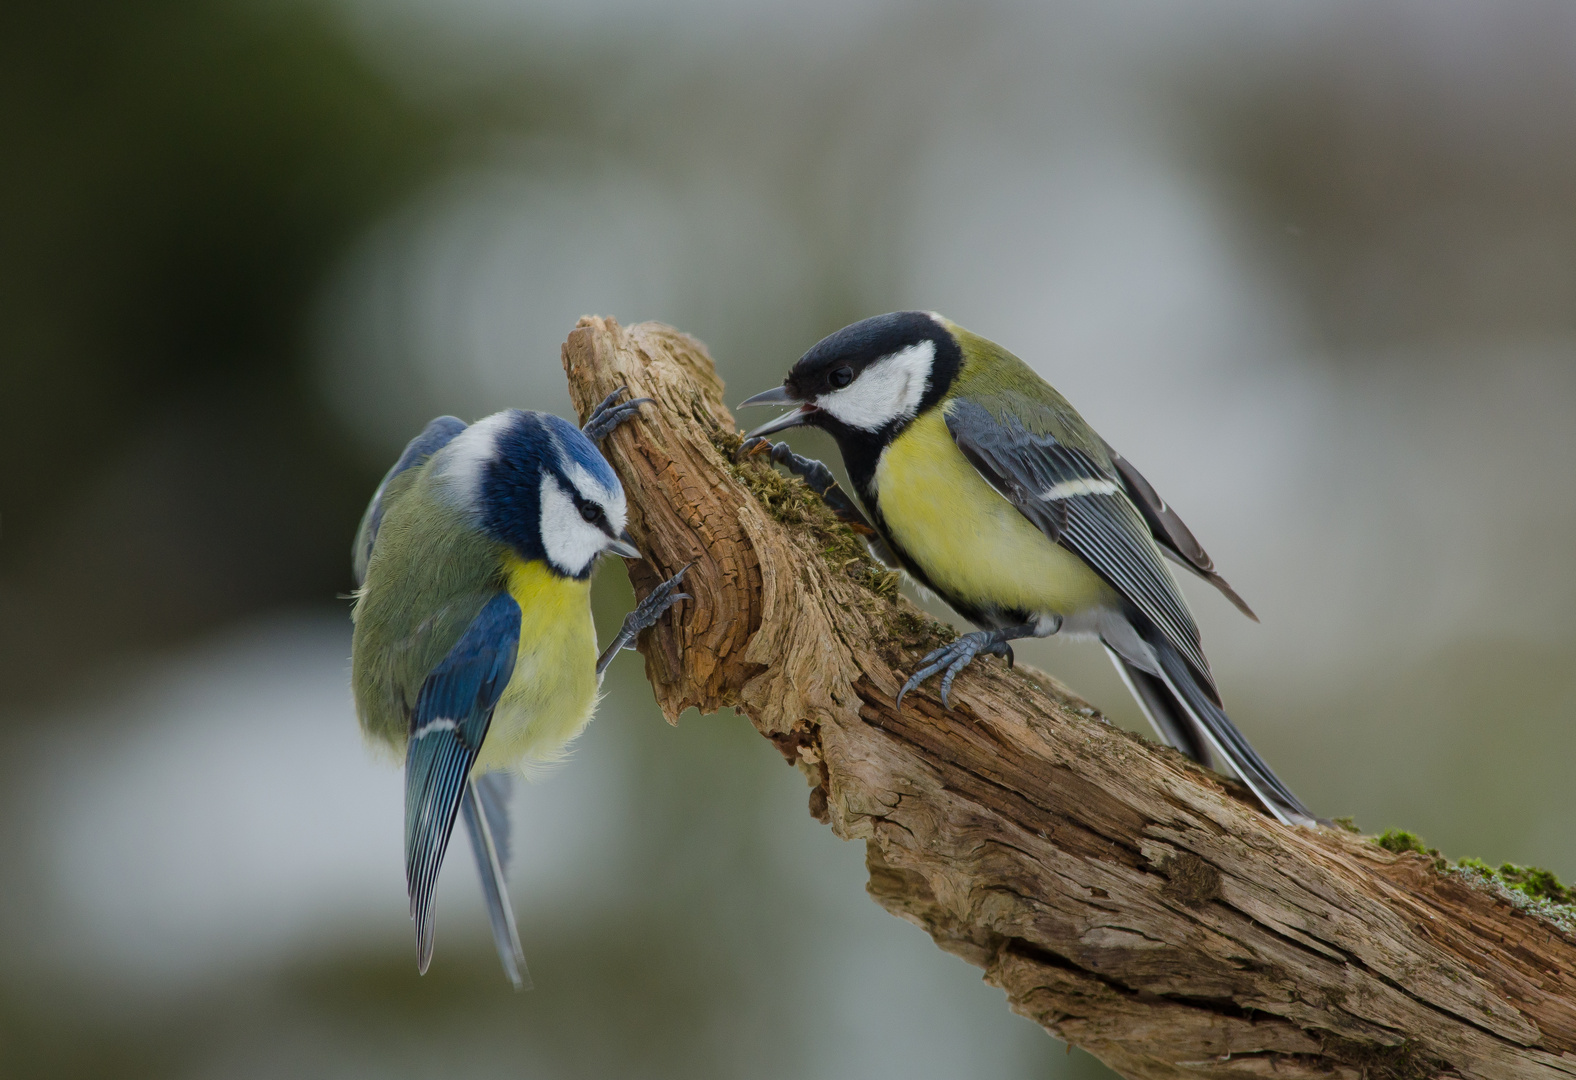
pixel 1126 900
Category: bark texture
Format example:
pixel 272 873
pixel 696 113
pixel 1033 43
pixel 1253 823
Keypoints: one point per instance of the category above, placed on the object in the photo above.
pixel 1126 900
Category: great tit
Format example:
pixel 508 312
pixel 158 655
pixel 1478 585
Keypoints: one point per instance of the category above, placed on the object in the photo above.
pixel 474 652
pixel 988 488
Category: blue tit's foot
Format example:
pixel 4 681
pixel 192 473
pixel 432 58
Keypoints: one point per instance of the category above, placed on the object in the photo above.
pixel 646 613
pixel 956 656
pixel 609 414
pixel 817 477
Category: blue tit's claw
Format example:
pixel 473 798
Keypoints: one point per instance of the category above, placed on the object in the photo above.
pixel 645 615
pixel 660 599
pixel 610 413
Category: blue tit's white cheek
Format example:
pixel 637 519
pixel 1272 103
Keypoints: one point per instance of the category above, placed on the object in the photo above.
pixel 889 389
pixel 570 541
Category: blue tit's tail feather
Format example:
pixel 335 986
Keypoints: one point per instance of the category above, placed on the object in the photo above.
pixel 1176 696
pixel 486 819
pixel 450 721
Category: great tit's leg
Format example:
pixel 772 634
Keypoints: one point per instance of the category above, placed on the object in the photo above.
pixel 956 656
pixel 646 613
pixel 816 476
pixel 609 414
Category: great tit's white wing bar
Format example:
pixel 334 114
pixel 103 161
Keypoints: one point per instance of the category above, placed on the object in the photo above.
pixel 1082 505
pixel 433 438
pixel 450 720
pixel 1174 537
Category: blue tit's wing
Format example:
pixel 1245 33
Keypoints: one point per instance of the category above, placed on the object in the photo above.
pixel 453 711
pixel 1081 504
pixel 433 438
pixel 1170 533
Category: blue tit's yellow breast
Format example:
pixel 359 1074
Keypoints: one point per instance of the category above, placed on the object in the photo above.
pixel 553 691
pixel 971 542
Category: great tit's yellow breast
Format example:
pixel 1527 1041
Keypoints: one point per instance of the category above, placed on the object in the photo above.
pixel 550 697
pixel 971 542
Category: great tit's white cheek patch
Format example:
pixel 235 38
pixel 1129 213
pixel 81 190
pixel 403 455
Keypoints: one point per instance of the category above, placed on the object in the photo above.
pixel 889 389
pixel 571 542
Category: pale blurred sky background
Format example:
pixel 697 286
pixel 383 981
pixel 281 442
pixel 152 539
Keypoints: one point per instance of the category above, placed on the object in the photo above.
pixel 1311 266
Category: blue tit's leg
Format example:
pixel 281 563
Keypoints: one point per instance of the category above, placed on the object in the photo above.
pixel 956 656
pixel 816 476
pixel 485 810
pixel 609 414
pixel 646 613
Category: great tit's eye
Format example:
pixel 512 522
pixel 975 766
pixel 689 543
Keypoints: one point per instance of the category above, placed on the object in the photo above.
pixel 590 511
pixel 842 377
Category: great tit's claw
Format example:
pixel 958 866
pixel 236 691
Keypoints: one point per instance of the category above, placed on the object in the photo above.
pixel 816 476
pixel 954 658
pixel 751 446
pixel 609 414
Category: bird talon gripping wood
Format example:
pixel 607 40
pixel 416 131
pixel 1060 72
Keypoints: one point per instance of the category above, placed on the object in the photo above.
pixel 474 651
pixel 987 487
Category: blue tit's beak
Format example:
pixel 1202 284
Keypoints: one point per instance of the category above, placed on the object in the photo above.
pixel 625 546
pixel 779 396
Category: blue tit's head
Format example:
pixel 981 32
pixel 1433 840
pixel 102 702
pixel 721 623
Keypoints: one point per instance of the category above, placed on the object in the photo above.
pixel 535 483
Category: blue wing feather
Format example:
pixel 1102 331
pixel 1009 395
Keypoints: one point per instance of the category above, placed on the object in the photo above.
pixel 434 437
pixel 452 714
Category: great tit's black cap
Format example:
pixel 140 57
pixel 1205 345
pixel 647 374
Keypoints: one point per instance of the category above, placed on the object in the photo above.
pixel 861 344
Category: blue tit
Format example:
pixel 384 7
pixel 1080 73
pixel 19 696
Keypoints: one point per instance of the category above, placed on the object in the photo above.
pixel 987 488
pixel 474 652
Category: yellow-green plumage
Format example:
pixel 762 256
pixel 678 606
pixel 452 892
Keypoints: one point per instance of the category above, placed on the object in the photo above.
pixel 429 575
pixel 972 543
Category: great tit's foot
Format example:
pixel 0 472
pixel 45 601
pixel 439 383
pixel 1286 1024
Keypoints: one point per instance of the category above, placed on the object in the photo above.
pixel 646 613
pixel 817 477
pixel 609 414
pixel 954 658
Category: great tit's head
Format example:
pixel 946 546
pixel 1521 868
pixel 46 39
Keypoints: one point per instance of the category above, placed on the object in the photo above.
pixel 537 484
pixel 869 379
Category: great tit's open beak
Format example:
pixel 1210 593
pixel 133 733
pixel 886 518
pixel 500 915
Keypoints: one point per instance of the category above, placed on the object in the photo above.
pixel 625 546
pixel 778 396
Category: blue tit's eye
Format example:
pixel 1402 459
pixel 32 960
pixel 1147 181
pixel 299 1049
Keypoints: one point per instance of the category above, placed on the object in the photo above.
pixel 842 377
pixel 590 511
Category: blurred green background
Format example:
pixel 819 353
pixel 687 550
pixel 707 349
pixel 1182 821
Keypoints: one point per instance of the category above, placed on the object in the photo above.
pixel 1311 266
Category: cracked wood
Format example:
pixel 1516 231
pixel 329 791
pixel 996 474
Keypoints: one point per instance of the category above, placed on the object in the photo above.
pixel 1123 898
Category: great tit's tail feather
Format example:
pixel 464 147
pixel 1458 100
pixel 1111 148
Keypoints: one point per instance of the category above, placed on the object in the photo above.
pixel 485 807
pixel 1181 701
pixel 1171 722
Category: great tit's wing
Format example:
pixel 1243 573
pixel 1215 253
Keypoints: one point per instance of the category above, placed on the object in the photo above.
pixel 433 438
pixel 1081 504
pixel 1174 538
pixel 450 720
